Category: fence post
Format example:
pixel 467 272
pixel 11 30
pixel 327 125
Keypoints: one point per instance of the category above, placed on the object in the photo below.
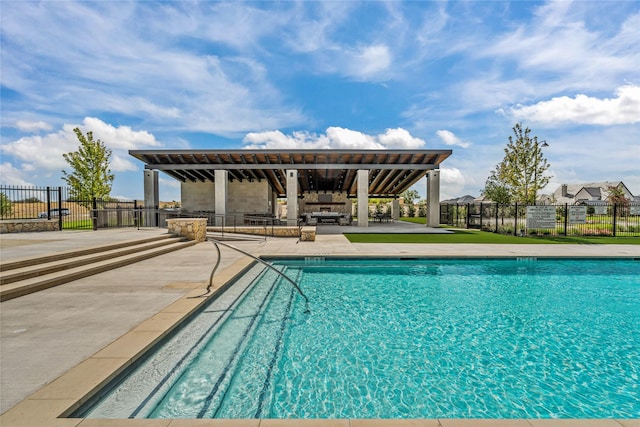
pixel 48 203
pixel 94 213
pixel 481 216
pixel 615 214
pixel 457 216
pixel 566 218
pixel 515 220
pixel 60 208
pixel 468 213
pixel 497 217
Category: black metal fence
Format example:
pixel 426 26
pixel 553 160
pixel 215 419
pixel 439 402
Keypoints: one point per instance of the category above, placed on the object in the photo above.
pixel 56 203
pixel 538 220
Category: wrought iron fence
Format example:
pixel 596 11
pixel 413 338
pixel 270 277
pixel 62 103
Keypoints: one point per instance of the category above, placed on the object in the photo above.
pixel 555 220
pixel 56 203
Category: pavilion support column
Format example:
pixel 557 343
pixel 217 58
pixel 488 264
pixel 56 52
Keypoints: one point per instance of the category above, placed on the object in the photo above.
pixel 292 197
pixel 221 179
pixel 363 198
pixel 395 209
pixel 151 199
pixel 433 198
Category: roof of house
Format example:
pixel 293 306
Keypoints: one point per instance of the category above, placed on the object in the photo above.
pixel 595 189
pixel 461 200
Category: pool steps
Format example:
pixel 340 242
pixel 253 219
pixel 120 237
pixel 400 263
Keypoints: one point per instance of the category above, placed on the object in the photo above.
pixel 27 275
pixel 226 325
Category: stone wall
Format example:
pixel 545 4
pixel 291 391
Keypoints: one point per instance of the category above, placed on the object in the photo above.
pixel 189 228
pixel 339 203
pixel 306 234
pixel 249 197
pixel 197 196
pixel 242 197
pixel 28 225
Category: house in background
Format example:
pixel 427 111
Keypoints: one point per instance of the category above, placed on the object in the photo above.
pixel 594 194
pixel 462 200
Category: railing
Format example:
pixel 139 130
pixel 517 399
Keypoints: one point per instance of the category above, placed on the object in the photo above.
pixel 56 203
pixel 554 220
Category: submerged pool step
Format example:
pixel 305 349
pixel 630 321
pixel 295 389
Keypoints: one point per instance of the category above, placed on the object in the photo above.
pixel 255 374
pixel 25 277
pixel 206 379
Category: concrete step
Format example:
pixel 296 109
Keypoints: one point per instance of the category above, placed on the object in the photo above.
pixel 81 258
pixel 25 262
pixel 115 260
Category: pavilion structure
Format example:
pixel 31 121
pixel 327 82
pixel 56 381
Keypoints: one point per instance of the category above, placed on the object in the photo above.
pixel 233 182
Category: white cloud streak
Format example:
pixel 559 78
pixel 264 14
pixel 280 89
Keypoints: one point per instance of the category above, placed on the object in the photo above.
pixel 41 155
pixel 449 138
pixel 32 126
pixel 585 110
pixel 334 137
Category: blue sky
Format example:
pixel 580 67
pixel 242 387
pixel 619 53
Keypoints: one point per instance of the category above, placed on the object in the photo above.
pixel 345 74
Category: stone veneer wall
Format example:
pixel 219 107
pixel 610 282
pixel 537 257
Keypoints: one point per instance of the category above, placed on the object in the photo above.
pixel 197 196
pixel 339 203
pixel 28 225
pixel 242 197
pixel 189 228
pixel 249 197
pixel 306 234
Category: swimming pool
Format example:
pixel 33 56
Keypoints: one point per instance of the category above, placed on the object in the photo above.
pixel 394 338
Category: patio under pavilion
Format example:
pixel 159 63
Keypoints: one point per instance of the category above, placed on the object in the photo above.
pixel 233 182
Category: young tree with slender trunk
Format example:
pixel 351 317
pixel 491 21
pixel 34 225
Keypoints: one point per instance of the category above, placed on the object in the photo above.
pixel 522 171
pixel 90 176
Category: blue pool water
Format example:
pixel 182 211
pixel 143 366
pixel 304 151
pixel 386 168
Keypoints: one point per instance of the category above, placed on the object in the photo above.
pixel 437 338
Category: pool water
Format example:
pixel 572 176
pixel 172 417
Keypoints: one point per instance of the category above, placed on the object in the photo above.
pixel 426 338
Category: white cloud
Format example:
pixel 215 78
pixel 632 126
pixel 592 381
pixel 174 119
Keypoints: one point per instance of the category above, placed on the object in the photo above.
pixel 449 138
pixel 400 138
pixel 583 109
pixel 13 176
pixel 120 138
pixel 369 61
pixel 32 126
pixel 334 137
pixel 42 155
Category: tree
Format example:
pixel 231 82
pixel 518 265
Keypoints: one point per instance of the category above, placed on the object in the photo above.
pixel 409 197
pixel 91 176
pixel 522 171
pixel 5 205
pixel 617 196
pixel 496 190
pixel 422 209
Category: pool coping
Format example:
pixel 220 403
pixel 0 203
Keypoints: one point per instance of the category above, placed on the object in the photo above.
pixel 51 403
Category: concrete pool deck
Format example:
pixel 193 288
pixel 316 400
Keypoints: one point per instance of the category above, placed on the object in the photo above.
pixel 59 344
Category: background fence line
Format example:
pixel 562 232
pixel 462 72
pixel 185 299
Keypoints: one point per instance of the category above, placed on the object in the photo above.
pixel 56 203
pixel 602 220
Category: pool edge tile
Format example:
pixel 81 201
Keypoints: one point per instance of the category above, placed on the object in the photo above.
pixel 484 422
pixel 308 422
pixel 365 422
pixel 215 423
pixel 39 412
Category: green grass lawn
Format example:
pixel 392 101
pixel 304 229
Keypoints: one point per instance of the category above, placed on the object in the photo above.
pixel 474 236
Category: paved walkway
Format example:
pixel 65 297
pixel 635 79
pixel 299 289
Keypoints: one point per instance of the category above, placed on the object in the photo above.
pixel 47 333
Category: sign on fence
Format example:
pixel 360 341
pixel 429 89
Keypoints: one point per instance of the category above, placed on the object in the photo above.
pixel 577 214
pixel 541 217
